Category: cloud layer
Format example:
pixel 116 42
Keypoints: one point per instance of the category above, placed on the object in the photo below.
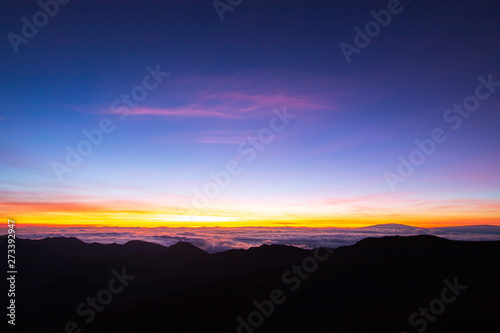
pixel 221 239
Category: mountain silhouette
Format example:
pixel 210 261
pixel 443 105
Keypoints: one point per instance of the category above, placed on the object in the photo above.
pixel 184 249
pixel 372 286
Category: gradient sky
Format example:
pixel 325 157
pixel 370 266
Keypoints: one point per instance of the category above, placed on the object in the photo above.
pixel 227 79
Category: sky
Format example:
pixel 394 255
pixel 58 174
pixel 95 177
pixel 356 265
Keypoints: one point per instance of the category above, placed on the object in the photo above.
pixel 256 114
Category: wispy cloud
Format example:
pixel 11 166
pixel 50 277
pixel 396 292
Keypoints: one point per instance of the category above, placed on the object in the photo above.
pixel 198 111
pixel 223 136
pixel 232 105
pixel 236 97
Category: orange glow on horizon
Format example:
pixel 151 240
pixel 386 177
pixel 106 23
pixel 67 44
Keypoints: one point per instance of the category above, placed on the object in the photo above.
pixel 99 220
pixel 329 215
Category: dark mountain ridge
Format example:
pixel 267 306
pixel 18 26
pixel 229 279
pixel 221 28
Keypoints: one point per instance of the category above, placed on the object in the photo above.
pixel 374 285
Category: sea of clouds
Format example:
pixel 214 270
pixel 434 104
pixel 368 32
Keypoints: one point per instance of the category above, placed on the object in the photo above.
pixel 216 239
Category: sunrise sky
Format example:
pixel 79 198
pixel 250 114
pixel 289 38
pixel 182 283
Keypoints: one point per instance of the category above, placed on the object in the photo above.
pixel 223 108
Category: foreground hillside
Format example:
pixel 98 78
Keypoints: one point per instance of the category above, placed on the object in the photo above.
pixel 376 285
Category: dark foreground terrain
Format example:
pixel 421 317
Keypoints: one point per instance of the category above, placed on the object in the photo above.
pixel 390 284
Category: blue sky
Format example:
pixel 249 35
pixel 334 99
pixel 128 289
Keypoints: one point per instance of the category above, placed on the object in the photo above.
pixel 329 164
